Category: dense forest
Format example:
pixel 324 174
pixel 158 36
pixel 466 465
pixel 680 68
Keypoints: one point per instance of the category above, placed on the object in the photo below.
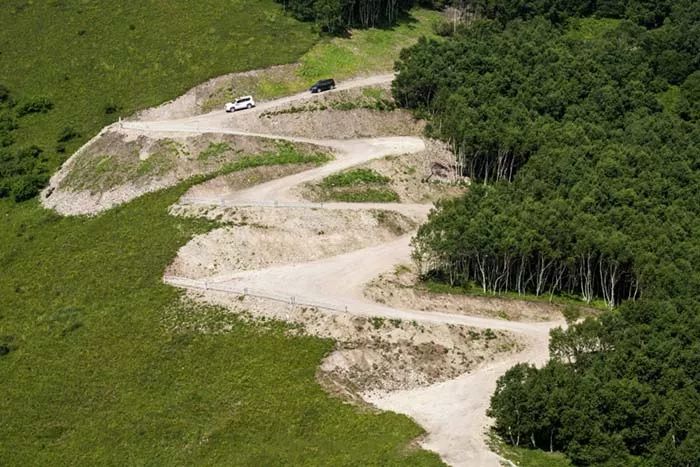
pixel 621 390
pixel 578 123
pixel 336 16
pixel 588 149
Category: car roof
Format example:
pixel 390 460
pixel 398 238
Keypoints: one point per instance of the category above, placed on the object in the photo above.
pixel 243 98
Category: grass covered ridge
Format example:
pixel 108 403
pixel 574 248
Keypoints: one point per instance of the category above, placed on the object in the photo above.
pixel 114 162
pixel 106 366
pixel 364 52
pixel 78 66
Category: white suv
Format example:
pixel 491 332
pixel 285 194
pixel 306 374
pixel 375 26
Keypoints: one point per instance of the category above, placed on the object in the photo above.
pixel 245 102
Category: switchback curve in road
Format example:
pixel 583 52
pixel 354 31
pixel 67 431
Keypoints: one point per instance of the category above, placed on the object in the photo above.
pixel 452 412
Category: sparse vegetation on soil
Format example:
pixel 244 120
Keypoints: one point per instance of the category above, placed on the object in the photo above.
pixel 406 178
pixel 245 178
pixel 255 238
pixel 402 288
pixel 117 168
pixel 369 98
pixel 348 113
pixel 355 185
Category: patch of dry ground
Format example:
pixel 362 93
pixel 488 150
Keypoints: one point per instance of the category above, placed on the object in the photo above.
pixel 409 176
pixel 123 163
pixel 118 166
pixel 379 354
pixel 339 124
pixel 401 289
pixel 344 114
pixel 242 179
pixel 256 238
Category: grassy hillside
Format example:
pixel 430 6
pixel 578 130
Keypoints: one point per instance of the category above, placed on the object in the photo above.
pixel 95 61
pixel 100 363
pixel 363 52
pixel 71 66
pixel 105 366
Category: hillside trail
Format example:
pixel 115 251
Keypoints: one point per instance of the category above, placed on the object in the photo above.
pixel 453 412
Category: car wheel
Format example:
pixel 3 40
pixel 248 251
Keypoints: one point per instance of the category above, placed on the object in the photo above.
pixel 250 106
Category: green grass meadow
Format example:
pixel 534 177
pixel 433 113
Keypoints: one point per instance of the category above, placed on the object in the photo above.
pixel 366 51
pixel 363 52
pixel 107 366
pixel 86 56
pixel 100 362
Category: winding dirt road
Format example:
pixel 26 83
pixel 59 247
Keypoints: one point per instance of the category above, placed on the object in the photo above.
pixel 453 412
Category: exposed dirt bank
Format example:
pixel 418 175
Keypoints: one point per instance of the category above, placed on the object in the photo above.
pixel 380 354
pixel 400 288
pixel 261 237
pixel 410 176
pixel 121 165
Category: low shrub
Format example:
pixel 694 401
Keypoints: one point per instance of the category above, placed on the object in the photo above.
pixel 5 97
pixel 111 107
pixel 355 177
pixel 23 173
pixel 68 133
pixel 35 105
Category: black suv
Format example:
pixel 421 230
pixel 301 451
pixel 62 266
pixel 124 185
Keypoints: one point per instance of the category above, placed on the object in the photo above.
pixel 323 85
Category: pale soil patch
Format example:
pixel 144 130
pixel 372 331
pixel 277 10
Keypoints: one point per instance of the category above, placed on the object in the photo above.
pixel 407 175
pixel 400 289
pixel 224 184
pixel 117 167
pixel 343 114
pixel 379 354
pixel 336 124
pixel 261 237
